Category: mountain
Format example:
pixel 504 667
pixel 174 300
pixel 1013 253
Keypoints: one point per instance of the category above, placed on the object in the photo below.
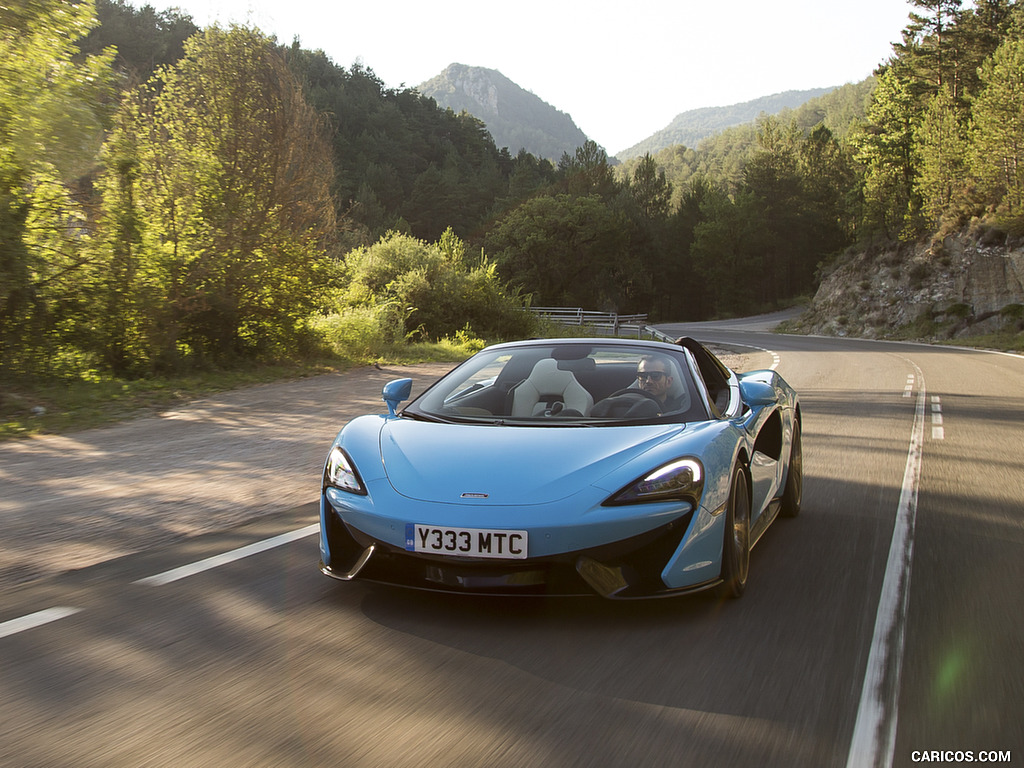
pixel 516 118
pixel 688 128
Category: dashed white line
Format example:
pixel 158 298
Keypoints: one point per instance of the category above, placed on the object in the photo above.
pixel 36 619
pixel 938 431
pixel 39 618
pixel 227 557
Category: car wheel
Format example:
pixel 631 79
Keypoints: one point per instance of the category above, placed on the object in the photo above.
pixel 793 494
pixel 736 547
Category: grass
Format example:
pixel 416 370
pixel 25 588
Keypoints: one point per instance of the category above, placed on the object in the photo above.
pixel 39 406
pixel 1000 342
pixel 927 331
pixel 54 406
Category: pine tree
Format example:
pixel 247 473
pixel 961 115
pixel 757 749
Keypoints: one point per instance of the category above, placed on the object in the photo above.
pixel 929 52
pixel 942 137
pixel 997 157
pixel 889 152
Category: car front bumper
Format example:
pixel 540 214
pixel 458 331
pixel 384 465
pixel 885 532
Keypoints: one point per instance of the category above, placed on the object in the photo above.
pixel 632 567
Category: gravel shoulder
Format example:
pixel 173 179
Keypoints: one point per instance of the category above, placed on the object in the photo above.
pixel 70 501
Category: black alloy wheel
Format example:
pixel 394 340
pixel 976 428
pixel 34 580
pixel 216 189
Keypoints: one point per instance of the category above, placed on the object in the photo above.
pixel 793 494
pixel 736 547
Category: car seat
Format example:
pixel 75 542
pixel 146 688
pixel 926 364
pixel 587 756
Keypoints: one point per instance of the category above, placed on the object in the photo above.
pixel 546 385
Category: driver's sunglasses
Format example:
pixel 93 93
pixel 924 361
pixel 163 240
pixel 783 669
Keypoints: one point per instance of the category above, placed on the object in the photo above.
pixel 652 375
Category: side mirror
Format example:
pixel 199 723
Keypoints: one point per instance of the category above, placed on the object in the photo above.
pixel 757 393
pixel 395 392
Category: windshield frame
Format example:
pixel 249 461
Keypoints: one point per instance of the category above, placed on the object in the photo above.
pixel 485 389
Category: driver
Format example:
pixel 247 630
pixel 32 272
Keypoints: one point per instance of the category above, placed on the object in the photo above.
pixel 654 375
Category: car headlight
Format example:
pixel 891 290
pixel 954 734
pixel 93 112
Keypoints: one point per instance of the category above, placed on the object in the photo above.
pixel 679 479
pixel 341 472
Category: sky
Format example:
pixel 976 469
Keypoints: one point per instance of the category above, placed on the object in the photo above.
pixel 621 70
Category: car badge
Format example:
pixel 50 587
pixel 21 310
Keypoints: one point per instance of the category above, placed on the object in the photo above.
pixel 475 495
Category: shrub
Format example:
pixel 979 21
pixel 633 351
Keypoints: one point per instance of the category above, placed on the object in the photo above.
pixel 439 292
pixel 361 334
pixel 1012 316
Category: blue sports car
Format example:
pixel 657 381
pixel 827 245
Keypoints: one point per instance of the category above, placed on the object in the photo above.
pixel 566 466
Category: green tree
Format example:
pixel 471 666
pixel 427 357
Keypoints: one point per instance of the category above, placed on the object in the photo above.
pixel 943 141
pixel 980 30
pixel 427 168
pixel 681 295
pixel 587 172
pixel 773 176
pixel 528 175
pixel 931 48
pixel 52 115
pixel 644 203
pixel 728 253
pixel 566 250
pixel 888 150
pixel 833 197
pixel 650 190
pixel 997 157
pixel 233 189
pixel 120 313
pixel 145 39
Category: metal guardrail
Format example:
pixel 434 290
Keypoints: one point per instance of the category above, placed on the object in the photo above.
pixel 604 323
pixel 660 335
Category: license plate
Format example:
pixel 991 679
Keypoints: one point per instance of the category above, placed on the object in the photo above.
pixel 466 542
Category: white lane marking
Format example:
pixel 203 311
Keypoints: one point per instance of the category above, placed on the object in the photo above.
pixel 908 390
pixel 938 431
pixel 39 618
pixel 227 557
pixel 36 619
pixel 874 733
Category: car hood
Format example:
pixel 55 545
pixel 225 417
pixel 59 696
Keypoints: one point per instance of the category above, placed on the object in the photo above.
pixel 508 465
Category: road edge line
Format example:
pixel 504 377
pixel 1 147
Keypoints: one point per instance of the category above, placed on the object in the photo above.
pixel 874 733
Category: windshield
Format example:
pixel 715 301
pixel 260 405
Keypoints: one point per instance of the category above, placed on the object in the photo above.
pixel 577 384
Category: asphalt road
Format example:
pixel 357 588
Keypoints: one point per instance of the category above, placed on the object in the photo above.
pixel 903 570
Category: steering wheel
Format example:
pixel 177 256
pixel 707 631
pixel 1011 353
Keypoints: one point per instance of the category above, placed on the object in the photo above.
pixel 636 391
pixel 631 403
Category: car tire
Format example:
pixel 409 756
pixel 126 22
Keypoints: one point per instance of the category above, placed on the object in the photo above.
pixel 736 545
pixel 792 495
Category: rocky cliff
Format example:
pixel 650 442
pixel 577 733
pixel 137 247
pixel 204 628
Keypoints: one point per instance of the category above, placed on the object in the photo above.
pixel 967 284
